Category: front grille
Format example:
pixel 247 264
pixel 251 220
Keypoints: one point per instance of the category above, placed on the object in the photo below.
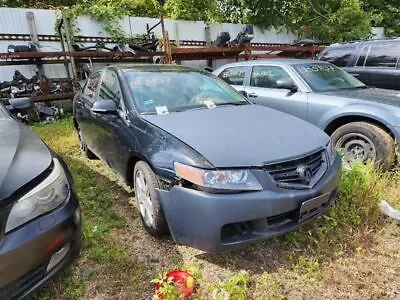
pixel 15 289
pixel 299 173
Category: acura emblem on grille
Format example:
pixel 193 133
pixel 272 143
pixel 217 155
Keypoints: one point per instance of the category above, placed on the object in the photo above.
pixel 305 173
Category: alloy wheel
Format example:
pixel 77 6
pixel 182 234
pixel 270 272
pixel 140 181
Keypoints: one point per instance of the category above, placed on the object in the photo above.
pixel 143 198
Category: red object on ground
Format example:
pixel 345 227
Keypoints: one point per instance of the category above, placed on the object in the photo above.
pixel 183 280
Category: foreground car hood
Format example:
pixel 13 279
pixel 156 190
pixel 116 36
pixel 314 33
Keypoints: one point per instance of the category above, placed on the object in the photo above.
pixel 242 136
pixel 391 97
pixel 23 157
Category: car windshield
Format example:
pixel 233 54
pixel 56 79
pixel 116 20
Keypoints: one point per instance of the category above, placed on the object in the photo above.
pixel 323 77
pixel 175 90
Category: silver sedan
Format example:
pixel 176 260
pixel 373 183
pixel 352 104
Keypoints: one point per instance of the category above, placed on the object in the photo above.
pixel 364 122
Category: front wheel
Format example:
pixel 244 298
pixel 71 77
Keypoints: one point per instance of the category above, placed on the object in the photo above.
pixel 364 142
pixel 151 212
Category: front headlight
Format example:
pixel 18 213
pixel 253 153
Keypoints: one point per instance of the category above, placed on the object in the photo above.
pixel 240 180
pixel 48 195
pixel 331 153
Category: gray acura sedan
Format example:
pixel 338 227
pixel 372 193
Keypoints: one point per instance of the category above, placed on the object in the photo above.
pixel 364 122
pixel 205 163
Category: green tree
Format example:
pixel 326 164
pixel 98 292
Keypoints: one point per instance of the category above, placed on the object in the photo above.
pixel 196 10
pixel 385 13
pixel 327 20
pixel 37 4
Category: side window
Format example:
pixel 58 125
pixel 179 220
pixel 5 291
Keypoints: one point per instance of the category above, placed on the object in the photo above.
pixel 267 76
pixel 110 88
pixel 234 75
pixel 91 87
pixel 339 56
pixel 383 55
pixel 363 55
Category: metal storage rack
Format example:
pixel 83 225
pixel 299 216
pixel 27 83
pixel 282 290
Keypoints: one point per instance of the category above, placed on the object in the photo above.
pixel 192 50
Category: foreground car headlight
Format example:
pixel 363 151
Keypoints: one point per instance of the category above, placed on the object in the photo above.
pixel 331 153
pixel 240 180
pixel 48 195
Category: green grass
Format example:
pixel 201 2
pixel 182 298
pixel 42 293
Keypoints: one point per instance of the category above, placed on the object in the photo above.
pixel 300 259
pixel 99 217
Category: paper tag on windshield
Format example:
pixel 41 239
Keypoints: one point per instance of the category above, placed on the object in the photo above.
pixel 161 110
pixel 209 103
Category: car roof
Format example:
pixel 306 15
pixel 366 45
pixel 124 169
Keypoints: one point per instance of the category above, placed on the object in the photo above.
pixel 362 42
pixel 152 68
pixel 275 61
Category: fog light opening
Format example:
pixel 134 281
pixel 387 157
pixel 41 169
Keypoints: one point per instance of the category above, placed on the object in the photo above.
pixel 54 244
pixel 58 257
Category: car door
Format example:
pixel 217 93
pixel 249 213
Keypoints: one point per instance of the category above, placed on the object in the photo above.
pixel 377 65
pixel 262 90
pixel 111 127
pixel 83 108
pixel 235 76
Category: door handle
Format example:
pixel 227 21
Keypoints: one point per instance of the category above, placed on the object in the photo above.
pixel 355 74
pixel 252 95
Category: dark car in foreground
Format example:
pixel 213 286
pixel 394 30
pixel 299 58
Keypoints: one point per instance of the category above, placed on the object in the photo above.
pixel 364 122
pixel 205 163
pixel 40 231
pixel 374 62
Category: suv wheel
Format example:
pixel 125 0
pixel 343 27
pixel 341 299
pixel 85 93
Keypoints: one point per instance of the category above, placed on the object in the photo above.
pixel 151 212
pixel 364 142
pixel 84 147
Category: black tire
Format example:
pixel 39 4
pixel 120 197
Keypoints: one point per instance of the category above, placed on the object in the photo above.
pixel 365 141
pixel 159 226
pixel 84 146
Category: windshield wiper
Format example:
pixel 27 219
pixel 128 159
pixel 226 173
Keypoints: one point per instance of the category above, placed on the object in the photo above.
pixel 232 103
pixel 148 113
pixel 190 107
pixel 357 87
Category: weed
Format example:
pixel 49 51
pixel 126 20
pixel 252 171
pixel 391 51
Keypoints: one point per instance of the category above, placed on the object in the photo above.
pixel 235 287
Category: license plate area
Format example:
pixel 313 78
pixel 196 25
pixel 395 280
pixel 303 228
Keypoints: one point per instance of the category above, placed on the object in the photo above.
pixel 313 207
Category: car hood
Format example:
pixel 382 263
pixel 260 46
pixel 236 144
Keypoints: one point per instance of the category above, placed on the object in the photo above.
pixel 390 97
pixel 242 136
pixel 23 157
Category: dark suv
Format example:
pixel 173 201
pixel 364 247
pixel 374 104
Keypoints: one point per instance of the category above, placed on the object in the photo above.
pixel 374 62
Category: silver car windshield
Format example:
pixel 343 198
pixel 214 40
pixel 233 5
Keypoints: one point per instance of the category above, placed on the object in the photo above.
pixel 322 77
pixel 172 91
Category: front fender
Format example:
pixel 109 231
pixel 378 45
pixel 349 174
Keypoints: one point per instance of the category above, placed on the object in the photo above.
pixel 378 114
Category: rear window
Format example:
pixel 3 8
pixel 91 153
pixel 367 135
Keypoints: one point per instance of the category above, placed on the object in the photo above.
pixel 338 56
pixel 233 75
pixel 383 55
pixel 362 57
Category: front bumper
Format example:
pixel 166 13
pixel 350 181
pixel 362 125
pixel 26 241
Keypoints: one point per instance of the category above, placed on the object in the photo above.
pixel 217 222
pixel 25 253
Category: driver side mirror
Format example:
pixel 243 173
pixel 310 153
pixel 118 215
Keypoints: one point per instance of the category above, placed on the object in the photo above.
pixel 287 84
pixel 104 107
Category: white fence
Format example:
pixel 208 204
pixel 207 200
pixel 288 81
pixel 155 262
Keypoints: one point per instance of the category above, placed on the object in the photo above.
pixel 14 21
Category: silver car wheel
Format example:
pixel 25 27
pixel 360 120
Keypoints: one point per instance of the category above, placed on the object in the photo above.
pixel 356 147
pixel 143 198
